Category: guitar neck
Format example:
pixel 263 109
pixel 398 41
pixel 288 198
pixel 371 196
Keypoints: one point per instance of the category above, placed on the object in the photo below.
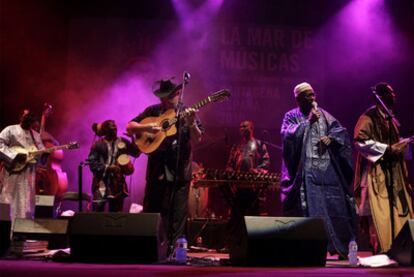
pixel 50 150
pixel 196 106
pixel 42 124
pixel 201 103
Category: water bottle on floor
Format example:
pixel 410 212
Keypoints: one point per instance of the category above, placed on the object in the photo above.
pixel 353 253
pixel 181 250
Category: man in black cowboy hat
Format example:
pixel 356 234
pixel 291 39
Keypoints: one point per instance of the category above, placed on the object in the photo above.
pixel 167 184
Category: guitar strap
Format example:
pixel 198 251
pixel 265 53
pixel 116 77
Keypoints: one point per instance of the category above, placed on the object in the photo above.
pixel 34 141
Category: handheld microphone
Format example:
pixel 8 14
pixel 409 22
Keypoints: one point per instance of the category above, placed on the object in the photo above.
pixel 315 105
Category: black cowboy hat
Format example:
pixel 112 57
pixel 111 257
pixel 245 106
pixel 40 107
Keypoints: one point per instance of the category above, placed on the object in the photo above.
pixel 165 88
pixel 382 88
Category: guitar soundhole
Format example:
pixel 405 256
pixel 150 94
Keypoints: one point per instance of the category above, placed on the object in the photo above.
pixel 165 125
pixel 150 140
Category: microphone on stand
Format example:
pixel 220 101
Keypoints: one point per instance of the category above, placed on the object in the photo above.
pixel 186 76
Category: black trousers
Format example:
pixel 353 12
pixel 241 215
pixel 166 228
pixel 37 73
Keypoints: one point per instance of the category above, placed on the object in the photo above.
pixel 245 202
pixel 159 198
pixel 114 205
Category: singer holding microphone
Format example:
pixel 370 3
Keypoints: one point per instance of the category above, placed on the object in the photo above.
pixel 169 170
pixel 317 169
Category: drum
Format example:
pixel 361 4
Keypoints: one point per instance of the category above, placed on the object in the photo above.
pixel 124 161
pixel 198 202
pixel 198 197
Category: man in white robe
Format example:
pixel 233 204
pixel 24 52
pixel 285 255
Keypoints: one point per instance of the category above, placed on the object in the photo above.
pixel 18 189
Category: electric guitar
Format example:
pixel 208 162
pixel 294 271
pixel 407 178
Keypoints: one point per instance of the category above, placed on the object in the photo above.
pixel 32 155
pixel 148 142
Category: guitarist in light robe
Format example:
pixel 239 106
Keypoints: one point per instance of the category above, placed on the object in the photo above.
pixel 18 189
pixel 380 158
pixel 161 166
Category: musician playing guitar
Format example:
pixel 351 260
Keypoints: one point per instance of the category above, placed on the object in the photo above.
pixel 381 188
pixel 161 166
pixel 18 189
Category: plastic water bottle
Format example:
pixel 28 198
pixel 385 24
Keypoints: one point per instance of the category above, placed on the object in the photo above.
pixel 353 253
pixel 181 250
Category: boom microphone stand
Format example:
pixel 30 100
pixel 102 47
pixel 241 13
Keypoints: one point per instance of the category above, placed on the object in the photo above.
pixel 186 77
pixel 80 183
pixel 390 186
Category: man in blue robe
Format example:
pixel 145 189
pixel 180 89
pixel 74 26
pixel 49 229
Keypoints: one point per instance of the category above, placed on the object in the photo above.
pixel 317 169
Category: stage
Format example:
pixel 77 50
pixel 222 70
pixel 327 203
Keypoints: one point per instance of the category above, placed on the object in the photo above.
pixel 73 65
pixel 204 264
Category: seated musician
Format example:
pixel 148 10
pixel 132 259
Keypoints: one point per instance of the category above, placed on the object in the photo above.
pixel 109 163
pixel 162 194
pixel 18 188
pixel 249 155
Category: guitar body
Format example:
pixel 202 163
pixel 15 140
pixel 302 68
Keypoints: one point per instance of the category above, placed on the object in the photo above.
pixel 17 167
pixel 33 153
pixel 148 142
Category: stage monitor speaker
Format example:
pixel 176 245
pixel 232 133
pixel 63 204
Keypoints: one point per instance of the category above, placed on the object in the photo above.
pixel 402 248
pixel 117 238
pixel 44 206
pixel 5 225
pixel 52 230
pixel 281 241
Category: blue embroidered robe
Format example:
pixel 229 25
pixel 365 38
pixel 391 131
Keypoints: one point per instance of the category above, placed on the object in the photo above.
pixel 316 178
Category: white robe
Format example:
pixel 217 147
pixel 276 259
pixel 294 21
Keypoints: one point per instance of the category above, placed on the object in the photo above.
pixel 18 189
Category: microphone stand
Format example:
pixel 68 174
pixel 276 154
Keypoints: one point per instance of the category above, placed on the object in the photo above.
pixel 390 186
pixel 272 145
pixel 265 141
pixel 177 165
pixel 80 182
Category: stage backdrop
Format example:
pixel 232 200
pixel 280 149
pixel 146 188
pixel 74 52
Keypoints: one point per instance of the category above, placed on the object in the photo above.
pixel 98 60
pixel 113 64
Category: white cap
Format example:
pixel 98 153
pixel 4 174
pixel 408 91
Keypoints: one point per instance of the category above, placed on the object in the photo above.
pixel 301 88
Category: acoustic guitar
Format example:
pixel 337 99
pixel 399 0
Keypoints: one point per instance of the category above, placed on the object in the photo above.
pixel 32 155
pixel 148 142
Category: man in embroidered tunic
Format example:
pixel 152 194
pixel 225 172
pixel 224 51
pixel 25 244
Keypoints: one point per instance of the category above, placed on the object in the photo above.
pixel 249 155
pixel 317 169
